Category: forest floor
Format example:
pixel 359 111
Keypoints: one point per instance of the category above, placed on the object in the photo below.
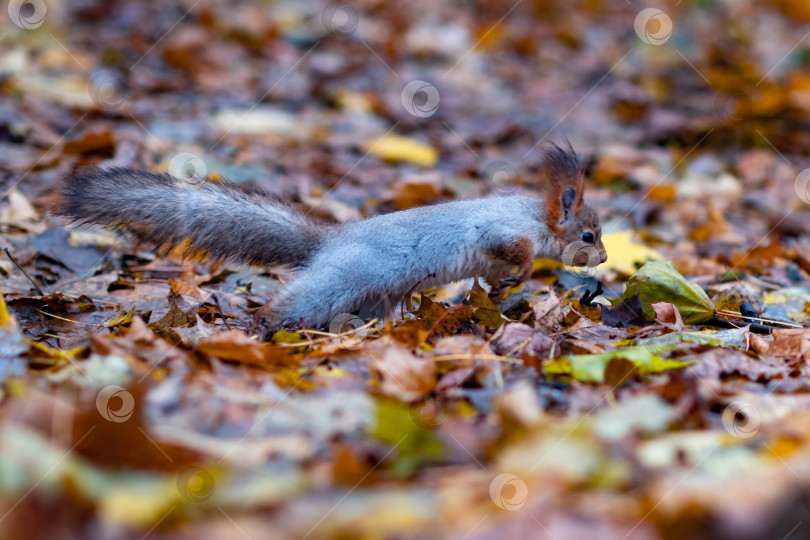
pixel 136 400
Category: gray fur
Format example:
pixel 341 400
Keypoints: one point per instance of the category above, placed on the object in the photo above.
pixel 221 220
pixel 377 261
pixel 369 265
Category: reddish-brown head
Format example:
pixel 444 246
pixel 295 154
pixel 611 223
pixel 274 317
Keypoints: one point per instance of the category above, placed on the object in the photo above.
pixel 575 225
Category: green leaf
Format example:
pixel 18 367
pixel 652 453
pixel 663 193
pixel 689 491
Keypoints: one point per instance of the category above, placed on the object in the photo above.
pixel 413 444
pixel 658 281
pixel 591 367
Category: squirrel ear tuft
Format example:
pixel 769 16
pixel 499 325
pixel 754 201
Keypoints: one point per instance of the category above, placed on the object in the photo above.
pixel 566 184
pixel 567 200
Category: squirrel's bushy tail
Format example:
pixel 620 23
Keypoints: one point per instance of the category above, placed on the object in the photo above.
pixel 202 217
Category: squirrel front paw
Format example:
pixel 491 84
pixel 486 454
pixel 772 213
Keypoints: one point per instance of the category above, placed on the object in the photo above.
pixel 498 292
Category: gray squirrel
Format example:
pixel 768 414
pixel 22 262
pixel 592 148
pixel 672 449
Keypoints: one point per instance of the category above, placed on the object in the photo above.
pixel 368 265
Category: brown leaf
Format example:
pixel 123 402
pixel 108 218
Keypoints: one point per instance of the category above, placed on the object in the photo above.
pixel 113 431
pixel 629 313
pixel 236 346
pixel 758 343
pixel 402 374
pixel 417 190
pixel 466 345
pixel 668 315
pixel 183 288
pixel 199 332
pixel 548 313
pixel 619 371
pixel 793 342
pixel 98 140
pixel 718 363
pixel 173 319
pixel 519 339
pixel 454 379
pixel 486 312
pixel 434 317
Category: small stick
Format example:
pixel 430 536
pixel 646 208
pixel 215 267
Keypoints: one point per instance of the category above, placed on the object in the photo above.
pixel 69 295
pixel 329 336
pixel 221 314
pixel 473 356
pixel 69 320
pixel 165 269
pixel 20 268
pixel 304 330
pixel 769 321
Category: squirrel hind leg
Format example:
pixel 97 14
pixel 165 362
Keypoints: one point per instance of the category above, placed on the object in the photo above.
pixel 314 299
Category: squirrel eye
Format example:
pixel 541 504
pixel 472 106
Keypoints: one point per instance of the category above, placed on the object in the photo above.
pixel 587 237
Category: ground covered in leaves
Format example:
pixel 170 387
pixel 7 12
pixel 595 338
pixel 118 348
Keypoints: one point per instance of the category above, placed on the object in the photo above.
pixel 135 401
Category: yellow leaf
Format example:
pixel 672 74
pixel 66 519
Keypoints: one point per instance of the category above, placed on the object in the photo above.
pixel 58 356
pixel 398 148
pixel 623 252
pixel 122 319
pixel 134 507
pixel 5 317
pixel 546 264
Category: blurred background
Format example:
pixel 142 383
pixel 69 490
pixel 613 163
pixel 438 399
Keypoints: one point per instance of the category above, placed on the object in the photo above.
pixel 357 108
pixel 692 118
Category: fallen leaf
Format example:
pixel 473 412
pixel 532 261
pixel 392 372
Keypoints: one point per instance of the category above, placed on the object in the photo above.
pixel 793 342
pixel 486 312
pixel 668 315
pixel 630 312
pixel 548 313
pixel 658 281
pixel 401 373
pixel 624 253
pixel 19 209
pixel 397 148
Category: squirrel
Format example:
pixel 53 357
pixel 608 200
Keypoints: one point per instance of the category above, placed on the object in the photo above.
pixel 366 266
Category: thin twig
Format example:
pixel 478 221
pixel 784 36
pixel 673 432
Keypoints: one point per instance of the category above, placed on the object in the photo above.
pixel 473 356
pixel 20 268
pixel 69 295
pixel 221 314
pixel 70 320
pixel 327 336
pixel 769 321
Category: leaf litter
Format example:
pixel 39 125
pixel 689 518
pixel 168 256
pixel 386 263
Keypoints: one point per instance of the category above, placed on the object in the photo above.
pixel 664 395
